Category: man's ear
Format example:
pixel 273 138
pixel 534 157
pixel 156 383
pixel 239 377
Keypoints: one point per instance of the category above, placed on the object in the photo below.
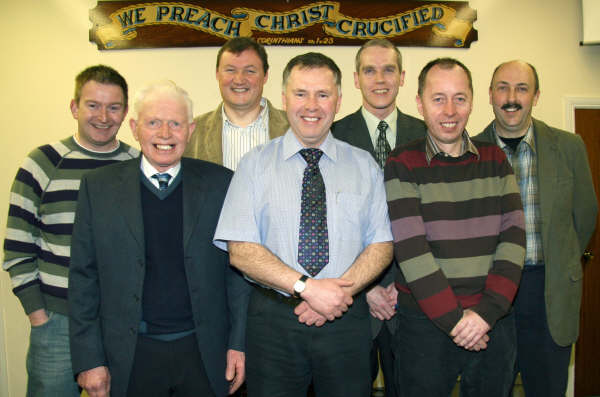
pixel 192 128
pixel 74 109
pixel 133 126
pixel 419 105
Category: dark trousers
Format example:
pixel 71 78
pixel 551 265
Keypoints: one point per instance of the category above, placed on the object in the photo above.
pixel 162 369
pixel 284 356
pixel 382 344
pixel 543 364
pixel 428 362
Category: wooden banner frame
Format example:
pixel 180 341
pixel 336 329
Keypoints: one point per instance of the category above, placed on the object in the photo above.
pixel 151 24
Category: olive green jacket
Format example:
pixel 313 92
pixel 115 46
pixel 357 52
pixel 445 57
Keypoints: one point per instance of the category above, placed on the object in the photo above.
pixel 207 140
pixel 568 209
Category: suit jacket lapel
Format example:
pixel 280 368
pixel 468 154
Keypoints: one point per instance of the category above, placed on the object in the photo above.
pixel 275 122
pixel 130 200
pixel 546 148
pixel 214 141
pixel 193 196
pixel 360 133
pixel 400 127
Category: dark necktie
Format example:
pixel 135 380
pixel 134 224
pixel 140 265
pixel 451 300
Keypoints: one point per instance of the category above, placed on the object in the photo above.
pixel 313 241
pixel 163 180
pixel 382 149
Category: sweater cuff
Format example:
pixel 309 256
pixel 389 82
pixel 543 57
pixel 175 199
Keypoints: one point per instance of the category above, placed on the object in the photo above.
pixel 489 312
pixel 31 298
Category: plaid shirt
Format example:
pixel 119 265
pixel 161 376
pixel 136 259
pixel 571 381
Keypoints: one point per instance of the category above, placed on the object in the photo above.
pixel 524 163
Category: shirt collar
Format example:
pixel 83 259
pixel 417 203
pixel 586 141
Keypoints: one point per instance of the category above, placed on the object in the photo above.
pixel 528 138
pixel 148 170
pixel 432 150
pixel 373 121
pixel 259 119
pixel 291 145
pixel 96 151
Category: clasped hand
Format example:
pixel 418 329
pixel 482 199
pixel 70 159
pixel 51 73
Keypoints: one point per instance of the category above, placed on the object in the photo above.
pixel 471 331
pixel 323 300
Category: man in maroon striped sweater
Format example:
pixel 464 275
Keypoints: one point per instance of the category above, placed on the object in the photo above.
pixel 459 240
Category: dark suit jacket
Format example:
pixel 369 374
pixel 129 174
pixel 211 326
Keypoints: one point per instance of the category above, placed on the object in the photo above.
pixel 568 209
pixel 207 140
pixel 353 129
pixel 108 263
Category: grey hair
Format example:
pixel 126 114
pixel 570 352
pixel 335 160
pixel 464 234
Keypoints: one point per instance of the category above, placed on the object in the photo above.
pixel 162 87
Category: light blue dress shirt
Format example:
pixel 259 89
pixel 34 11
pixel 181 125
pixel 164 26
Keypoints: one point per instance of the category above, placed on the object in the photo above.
pixel 263 202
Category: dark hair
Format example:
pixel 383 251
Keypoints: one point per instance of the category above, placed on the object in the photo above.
pixel 238 45
pixel 385 43
pixel 536 79
pixel 101 74
pixel 312 60
pixel 443 63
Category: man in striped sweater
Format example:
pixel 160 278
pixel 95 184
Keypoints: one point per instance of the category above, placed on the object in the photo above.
pixel 40 221
pixel 459 240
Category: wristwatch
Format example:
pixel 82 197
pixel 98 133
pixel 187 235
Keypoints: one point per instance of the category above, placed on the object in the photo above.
pixel 299 286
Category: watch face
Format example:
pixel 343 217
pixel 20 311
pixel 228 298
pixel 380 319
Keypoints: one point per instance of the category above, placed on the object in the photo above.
pixel 299 286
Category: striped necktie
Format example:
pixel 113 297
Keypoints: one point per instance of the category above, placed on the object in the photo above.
pixel 163 180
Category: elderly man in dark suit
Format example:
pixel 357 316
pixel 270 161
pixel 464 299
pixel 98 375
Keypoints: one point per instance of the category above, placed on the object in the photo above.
pixel 377 127
pixel 560 207
pixel 155 308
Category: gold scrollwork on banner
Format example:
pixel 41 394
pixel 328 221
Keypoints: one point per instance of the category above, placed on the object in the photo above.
pixel 447 24
pixel 439 15
pixel 126 20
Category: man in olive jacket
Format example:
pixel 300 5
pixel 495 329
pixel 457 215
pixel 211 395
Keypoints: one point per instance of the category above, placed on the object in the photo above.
pixel 244 119
pixel 560 212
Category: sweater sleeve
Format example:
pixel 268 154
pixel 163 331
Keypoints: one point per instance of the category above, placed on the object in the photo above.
pixel 23 234
pixel 426 281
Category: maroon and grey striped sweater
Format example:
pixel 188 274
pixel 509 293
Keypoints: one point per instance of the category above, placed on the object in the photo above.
pixel 459 232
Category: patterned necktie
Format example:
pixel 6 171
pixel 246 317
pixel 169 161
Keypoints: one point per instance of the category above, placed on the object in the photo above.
pixel 313 241
pixel 163 180
pixel 383 146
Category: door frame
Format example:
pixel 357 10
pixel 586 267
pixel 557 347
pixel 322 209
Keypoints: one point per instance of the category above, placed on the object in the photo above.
pixel 570 103
pixel 3 359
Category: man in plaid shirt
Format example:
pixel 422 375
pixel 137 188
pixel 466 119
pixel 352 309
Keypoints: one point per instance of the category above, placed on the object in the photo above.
pixel 560 208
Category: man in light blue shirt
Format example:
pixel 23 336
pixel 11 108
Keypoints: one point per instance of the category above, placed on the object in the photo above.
pixel 262 225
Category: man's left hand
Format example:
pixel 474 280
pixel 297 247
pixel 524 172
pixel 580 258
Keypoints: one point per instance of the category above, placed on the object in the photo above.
pixel 308 316
pixel 381 305
pixel 469 330
pixel 236 369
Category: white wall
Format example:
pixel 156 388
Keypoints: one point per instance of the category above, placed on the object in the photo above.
pixel 45 44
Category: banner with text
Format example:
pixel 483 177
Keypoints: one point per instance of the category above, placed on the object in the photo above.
pixel 145 24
